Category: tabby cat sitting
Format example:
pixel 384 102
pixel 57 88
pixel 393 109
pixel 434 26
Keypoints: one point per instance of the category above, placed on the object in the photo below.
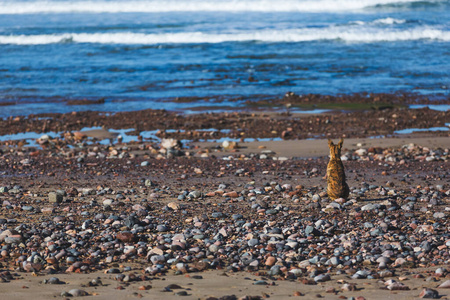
pixel 337 186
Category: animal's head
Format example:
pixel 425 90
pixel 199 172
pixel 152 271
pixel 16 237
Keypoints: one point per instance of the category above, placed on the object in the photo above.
pixel 335 150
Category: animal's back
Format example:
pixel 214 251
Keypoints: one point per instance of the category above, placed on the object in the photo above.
pixel 337 185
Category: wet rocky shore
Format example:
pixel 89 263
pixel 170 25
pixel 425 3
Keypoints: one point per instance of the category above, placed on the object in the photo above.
pixel 285 118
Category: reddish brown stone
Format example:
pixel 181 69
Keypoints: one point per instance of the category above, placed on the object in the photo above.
pixel 126 237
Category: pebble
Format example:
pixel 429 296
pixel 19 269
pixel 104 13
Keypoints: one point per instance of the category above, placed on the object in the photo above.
pixel 77 293
pixel 237 216
pixel 232 194
pixel 397 286
pixel 13 239
pixel 149 183
pixel 274 270
pixel 439 215
pixel 322 278
pixel 261 220
pixel 53 280
pixel 335 261
pixel 440 271
pixel 253 242
pixel 173 286
pixel 158 259
pixel 348 287
pixel 114 271
pixel 125 236
pixel 362 274
pixel 108 202
pixel 217 215
pixel 270 261
pixel 369 207
pixel 55 197
pixel 213 248
pixel 96 282
pixel 194 194
pixel 182 293
pixel 174 206
pixel 429 294
pixel 445 285
pixel 162 228
pixel 271 212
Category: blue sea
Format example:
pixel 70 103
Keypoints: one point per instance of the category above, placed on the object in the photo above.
pixel 139 54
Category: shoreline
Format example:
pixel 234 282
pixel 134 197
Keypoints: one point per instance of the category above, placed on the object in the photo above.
pixel 224 103
pixel 239 125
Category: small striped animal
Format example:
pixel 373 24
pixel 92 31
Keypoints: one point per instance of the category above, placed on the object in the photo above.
pixel 337 186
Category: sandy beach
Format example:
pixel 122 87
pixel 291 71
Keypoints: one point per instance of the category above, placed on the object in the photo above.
pixel 180 149
pixel 315 148
pixel 213 284
pixel 207 219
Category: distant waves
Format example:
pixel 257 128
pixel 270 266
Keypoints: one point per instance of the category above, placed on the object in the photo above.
pixel 163 49
pixel 155 6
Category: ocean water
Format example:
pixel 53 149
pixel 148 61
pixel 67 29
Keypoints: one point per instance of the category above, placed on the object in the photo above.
pixel 140 54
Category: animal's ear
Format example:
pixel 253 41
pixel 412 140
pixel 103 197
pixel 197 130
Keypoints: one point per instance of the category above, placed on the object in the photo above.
pixel 330 143
pixel 341 142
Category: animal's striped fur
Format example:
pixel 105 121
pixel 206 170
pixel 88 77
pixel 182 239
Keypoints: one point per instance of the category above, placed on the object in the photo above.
pixel 337 186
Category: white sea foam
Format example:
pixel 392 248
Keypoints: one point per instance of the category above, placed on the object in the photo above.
pixel 385 21
pixel 389 21
pixel 146 6
pixel 365 35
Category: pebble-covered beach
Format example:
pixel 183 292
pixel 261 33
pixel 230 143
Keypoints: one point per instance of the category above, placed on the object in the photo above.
pixel 159 219
pixel 179 149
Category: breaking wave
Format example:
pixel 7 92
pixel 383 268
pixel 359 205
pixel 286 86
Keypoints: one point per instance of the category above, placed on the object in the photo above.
pixel 368 35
